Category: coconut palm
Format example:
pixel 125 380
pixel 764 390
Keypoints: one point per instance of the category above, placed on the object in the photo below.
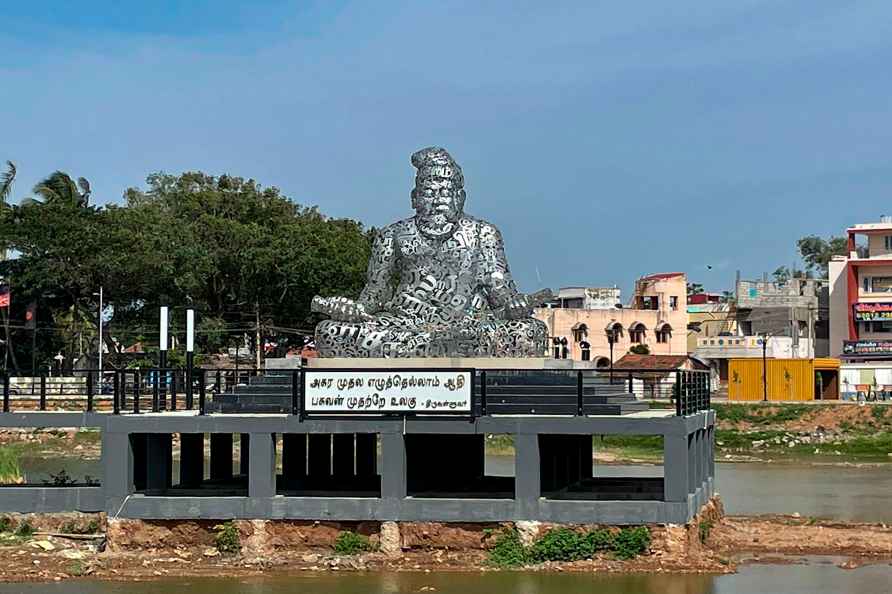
pixel 6 180
pixel 59 187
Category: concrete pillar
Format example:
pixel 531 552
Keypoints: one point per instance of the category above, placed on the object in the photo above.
pixel 527 476
pixel 692 462
pixel 191 460
pixel 159 458
pixel 676 467
pixel 117 469
pixel 342 455
pixel 319 453
pixel 366 454
pixel 262 465
pixel 221 456
pixel 294 458
pixel 140 460
pixel 393 466
pixel 244 453
pixel 586 452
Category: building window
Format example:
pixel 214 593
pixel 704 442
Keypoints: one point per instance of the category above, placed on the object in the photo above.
pixel 673 302
pixel 866 281
pixel 636 333
pixel 586 350
pixel 664 334
pixel 580 332
pixel 888 241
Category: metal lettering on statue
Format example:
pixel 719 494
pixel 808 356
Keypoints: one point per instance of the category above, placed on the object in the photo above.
pixel 438 284
pixel 402 391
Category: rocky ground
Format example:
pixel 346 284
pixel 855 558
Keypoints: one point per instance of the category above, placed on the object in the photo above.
pixel 77 546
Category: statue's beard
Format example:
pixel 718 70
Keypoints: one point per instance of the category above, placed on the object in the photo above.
pixel 435 224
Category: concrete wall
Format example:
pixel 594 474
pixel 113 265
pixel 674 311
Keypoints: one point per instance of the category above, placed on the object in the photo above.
pixel 839 309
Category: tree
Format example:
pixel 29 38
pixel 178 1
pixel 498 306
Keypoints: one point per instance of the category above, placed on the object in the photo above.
pixel 60 188
pixel 695 288
pixel 6 179
pixel 817 252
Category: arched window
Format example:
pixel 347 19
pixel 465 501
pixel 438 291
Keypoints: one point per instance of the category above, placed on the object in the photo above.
pixel 614 331
pixel 559 347
pixel 586 350
pixel 602 363
pixel 580 332
pixel 664 333
pixel 637 333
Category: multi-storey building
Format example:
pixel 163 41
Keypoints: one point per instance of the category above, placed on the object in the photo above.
pixel 656 317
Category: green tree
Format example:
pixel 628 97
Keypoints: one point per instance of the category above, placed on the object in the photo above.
pixel 6 179
pixel 817 252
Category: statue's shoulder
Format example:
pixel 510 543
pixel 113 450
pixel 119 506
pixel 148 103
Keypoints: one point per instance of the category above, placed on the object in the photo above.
pixel 479 227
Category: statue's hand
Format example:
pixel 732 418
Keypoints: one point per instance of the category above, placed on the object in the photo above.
pixel 521 306
pixel 340 308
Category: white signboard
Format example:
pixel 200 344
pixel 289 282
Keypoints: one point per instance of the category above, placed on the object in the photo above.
pixel 405 390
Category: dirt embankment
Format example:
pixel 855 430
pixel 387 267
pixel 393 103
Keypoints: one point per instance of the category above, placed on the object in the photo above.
pixel 135 550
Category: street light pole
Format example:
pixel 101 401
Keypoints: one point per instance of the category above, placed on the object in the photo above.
pixel 100 337
pixel 765 368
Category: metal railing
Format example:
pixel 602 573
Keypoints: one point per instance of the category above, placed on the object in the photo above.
pixel 496 391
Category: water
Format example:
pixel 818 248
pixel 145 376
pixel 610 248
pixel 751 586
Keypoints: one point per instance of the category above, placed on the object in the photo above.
pixel 815 578
pixel 848 493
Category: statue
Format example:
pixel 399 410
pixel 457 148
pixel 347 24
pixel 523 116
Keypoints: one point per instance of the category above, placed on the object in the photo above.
pixel 438 284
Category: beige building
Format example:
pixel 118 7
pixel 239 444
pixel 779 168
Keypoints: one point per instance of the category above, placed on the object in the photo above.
pixel 657 317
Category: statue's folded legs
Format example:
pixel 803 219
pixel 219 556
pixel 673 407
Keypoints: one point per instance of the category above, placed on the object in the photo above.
pixel 399 338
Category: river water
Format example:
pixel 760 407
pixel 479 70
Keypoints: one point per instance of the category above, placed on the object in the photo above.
pixel 818 577
pixel 854 493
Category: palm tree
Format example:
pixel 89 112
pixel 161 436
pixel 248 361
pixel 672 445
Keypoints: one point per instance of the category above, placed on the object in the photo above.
pixel 59 187
pixel 6 180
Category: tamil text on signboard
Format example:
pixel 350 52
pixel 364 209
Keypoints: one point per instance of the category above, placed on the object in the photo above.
pixel 339 391
pixel 867 347
pixel 873 312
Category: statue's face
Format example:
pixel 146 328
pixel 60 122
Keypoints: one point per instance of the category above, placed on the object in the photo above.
pixel 438 199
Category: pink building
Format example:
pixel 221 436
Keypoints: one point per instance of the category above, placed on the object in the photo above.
pixel 657 317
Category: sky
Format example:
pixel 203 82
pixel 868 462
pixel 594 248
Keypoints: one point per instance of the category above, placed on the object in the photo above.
pixel 607 140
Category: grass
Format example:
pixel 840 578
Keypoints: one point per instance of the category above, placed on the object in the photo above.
pixel 761 414
pixel 649 447
pixel 10 469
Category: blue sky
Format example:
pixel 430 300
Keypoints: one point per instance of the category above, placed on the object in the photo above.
pixel 607 140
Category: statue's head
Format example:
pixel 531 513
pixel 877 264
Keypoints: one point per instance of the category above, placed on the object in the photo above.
pixel 439 196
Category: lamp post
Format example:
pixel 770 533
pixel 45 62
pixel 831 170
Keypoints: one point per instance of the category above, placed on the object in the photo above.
pixel 162 357
pixel 190 354
pixel 100 337
pixel 764 340
pixel 611 339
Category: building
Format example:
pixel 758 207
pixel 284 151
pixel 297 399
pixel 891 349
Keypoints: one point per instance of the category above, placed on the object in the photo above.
pixel 861 307
pixel 788 318
pixel 587 298
pixel 656 317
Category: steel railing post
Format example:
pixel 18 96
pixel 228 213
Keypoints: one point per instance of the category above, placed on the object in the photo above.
pixel 42 392
pixel 202 375
pixel 137 380
pixel 5 392
pixel 295 388
pixel 89 391
pixel 678 410
pixel 580 406
pixel 116 394
pixel 483 404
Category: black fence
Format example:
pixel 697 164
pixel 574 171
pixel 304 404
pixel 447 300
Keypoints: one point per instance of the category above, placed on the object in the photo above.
pixel 495 391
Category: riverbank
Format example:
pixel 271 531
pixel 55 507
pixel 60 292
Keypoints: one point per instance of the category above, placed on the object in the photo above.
pixel 840 433
pixel 55 547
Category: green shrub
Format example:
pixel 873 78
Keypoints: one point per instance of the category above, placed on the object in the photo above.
pixel 25 530
pixel 350 543
pixel 559 544
pixel 508 551
pixel 5 525
pixel 227 539
pixel 705 527
pixel 597 541
pixel 628 543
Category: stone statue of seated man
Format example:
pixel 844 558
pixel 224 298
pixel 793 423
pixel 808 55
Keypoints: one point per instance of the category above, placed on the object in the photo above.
pixel 438 284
